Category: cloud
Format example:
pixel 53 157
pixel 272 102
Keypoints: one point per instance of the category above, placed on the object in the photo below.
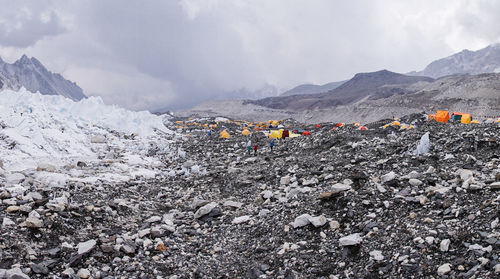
pixel 143 54
pixel 22 25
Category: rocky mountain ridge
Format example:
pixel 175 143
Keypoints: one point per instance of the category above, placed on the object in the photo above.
pixel 477 94
pixel 485 60
pixel 32 75
pixel 373 85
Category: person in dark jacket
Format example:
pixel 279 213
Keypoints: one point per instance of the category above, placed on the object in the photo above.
pixel 271 145
pixel 255 147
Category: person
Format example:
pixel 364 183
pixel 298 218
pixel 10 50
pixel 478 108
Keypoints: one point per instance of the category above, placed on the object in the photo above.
pixel 209 133
pixel 249 146
pixel 255 147
pixel 271 145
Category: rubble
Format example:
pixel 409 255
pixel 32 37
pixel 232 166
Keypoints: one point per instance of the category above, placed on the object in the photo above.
pixel 344 203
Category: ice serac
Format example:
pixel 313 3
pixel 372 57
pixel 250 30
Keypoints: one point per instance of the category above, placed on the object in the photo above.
pixel 32 75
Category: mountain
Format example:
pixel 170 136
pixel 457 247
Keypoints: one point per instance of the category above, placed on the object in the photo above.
pixel 486 60
pixel 32 75
pixel 312 88
pixel 372 85
pixel 476 94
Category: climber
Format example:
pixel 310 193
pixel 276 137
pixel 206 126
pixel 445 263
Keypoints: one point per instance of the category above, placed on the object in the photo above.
pixel 271 145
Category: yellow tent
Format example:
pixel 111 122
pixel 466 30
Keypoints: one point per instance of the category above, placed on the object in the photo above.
pixel 404 126
pixel 498 121
pixel 411 127
pixel 466 118
pixel 293 135
pixel 357 124
pixel 276 134
pixel 475 122
pixel 386 125
pixel 396 123
pixel 224 134
pixel 245 132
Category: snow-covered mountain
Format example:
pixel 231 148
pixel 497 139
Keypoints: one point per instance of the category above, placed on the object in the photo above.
pixel 486 60
pixel 32 75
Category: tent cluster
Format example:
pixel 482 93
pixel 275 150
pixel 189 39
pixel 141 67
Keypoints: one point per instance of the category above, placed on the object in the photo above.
pixel 397 124
pixel 444 116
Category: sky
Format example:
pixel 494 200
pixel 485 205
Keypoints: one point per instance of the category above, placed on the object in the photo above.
pixel 174 54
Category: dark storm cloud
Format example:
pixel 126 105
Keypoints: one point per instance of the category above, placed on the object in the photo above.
pixel 171 54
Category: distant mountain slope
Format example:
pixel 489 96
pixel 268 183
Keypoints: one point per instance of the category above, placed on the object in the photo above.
pixel 312 88
pixel 476 94
pixel 373 85
pixel 32 75
pixel 486 60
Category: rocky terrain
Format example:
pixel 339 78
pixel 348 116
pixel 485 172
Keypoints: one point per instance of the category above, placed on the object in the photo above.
pixel 486 60
pixel 341 203
pixel 376 85
pixel 32 75
pixel 312 88
pixel 476 94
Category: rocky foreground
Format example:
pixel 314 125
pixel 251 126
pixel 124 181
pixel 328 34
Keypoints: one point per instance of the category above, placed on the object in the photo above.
pixel 342 203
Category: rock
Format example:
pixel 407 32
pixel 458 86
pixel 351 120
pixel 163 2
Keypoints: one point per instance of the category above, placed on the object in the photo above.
pixel 336 189
pixel 495 185
pixel 204 210
pixel 444 245
pixel 98 139
pixel 12 209
pixel 350 240
pixel 233 204
pixel 377 255
pixel 86 247
pixel 241 219
pixel 7 222
pixel 497 268
pixel 388 177
pixel 465 174
pixel 444 269
pixel 46 167
pixel 83 273
pixel 32 222
pixel 266 194
pixel 128 249
pixel 285 180
pixel 153 219
pixel 415 182
pixel 306 219
pixel 334 225
pixel 318 221
pixel 39 269
pixel 15 273
pixel 302 220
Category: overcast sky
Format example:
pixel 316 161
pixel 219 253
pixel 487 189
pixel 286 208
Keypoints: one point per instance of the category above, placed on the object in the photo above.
pixel 175 54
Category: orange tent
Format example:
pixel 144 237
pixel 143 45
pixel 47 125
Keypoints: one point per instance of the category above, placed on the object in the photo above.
pixel 442 116
pixel 306 133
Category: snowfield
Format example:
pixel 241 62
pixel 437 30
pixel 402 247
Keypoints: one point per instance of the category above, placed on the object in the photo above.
pixel 37 130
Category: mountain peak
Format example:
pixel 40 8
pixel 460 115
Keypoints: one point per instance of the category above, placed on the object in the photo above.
pixel 32 75
pixel 24 60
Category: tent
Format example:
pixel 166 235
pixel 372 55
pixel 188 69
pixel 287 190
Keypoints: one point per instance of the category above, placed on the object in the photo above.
pixel 396 123
pixel 431 117
pixel 285 134
pixel 245 132
pixel 466 118
pixel 318 126
pixel 475 122
pixel 224 134
pixel 363 128
pixel 306 133
pixel 498 120
pixel 340 125
pixel 442 116
pixel 276 134
pixel 293 135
